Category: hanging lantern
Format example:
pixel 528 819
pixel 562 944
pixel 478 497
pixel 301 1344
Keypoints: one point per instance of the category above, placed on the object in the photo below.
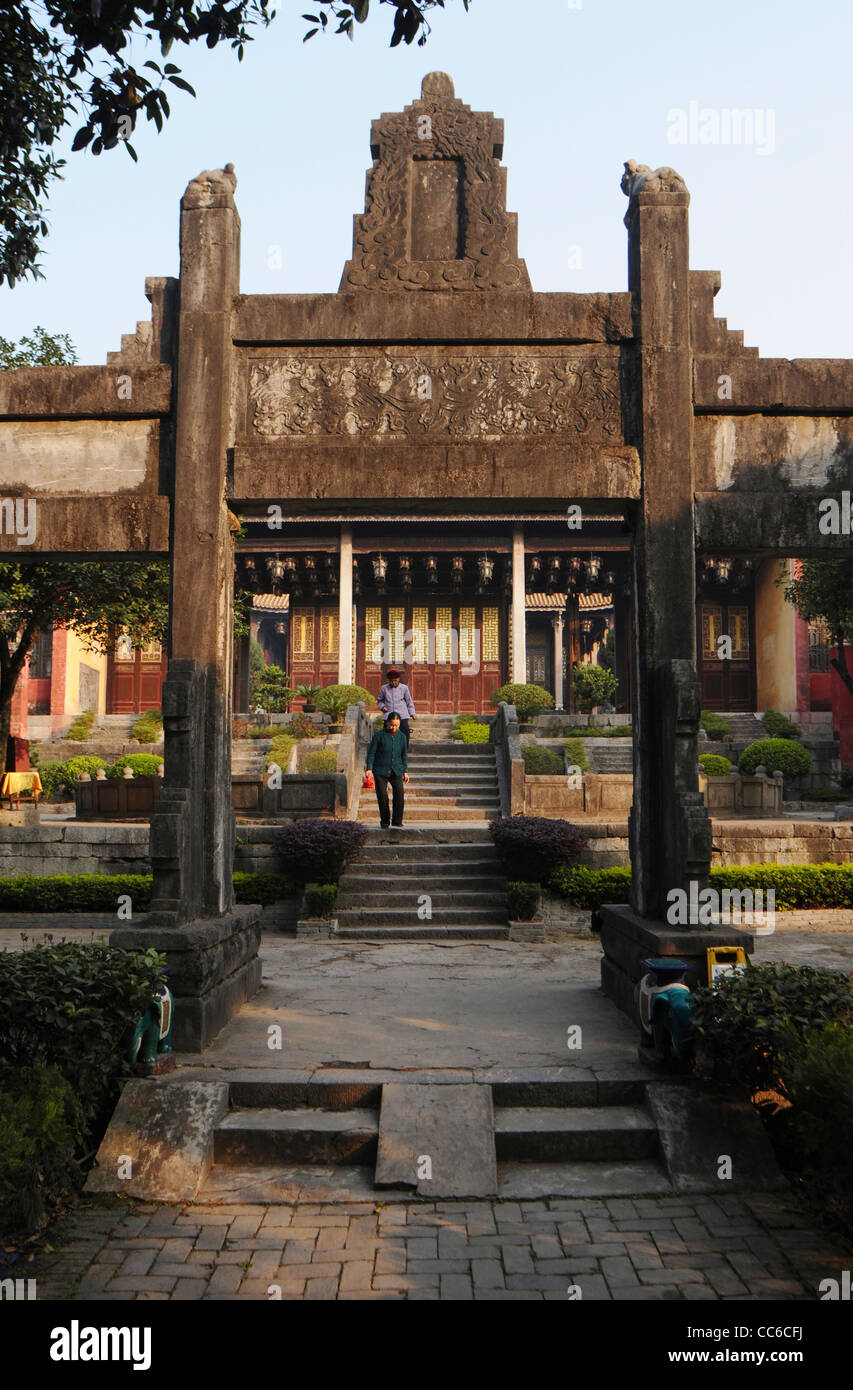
pixel 593 567
pixel 280 628
pixel 431 569
pixel 380 568
pixel 724 569
pixel 457 571
pixel 485 569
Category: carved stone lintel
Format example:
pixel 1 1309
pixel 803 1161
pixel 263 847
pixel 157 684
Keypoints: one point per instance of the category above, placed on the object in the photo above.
pixel 458 396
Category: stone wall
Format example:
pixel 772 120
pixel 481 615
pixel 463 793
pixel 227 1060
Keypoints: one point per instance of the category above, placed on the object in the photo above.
pixel 739 842
pixel 73 849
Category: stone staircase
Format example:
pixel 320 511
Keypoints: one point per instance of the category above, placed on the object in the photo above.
pixel 324 1136
pixel 609 755
pixel 745 728
pixel 449 781
pixel 424 883
pixel 248 755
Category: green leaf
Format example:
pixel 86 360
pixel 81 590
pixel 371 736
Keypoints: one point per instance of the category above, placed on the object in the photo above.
pixel 310 35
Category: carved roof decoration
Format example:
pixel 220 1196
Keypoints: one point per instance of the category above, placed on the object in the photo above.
pixel 402 240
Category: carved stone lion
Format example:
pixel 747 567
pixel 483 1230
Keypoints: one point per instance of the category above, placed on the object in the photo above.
pixel 213 187
pixel 642 176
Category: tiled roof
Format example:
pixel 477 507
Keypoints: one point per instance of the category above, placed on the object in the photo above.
pixel 271 603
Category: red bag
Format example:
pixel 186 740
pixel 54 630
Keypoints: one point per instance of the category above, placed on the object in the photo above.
pixel 367 780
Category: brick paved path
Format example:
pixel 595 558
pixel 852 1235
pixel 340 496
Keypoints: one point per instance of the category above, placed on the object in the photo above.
pixel 748 1247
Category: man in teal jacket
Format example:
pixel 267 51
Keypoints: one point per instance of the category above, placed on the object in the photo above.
pixel 387 758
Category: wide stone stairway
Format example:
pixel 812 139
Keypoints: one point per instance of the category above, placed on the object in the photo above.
pixel 424 882
pixel 449 781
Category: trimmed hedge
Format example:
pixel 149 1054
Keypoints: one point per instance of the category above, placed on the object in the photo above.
pixel 714 764
pixel 40 1130
pixel 100 892
pixel 535 845
pixel 315 850
pixel 80 728
pixel 779 725
pixel 320 760
pixel 593 685
pixel 470 732
pixel 539 760
pixel 141 764
pixel 523 899
pixel 777 755
pixel 576 753
pixel 529 700
pixel 148 727
pixel 280 751
pixel 795 885
pixel 715 726
pixel 320 899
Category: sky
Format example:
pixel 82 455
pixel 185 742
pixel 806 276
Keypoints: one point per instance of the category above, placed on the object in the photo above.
pixel 582 86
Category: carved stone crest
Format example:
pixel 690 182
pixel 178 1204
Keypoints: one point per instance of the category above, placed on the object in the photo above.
pixel 461 396
pixel 443 227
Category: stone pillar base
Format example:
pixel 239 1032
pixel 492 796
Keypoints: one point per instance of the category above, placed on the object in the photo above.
pixel 627 939
pixel 213 969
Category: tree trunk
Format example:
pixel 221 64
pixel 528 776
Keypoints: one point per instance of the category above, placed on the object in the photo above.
pixel 839 663
pixel 5 723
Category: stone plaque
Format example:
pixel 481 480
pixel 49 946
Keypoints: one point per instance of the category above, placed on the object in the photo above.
pixel 87 690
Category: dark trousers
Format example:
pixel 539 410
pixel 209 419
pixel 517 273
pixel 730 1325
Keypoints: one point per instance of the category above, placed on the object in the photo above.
pixel 382 797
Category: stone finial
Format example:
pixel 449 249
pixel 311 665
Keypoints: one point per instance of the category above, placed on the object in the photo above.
pixel 437 86
pixel 100 775
pixel 642 176
pixel 211 188
pixel 127 773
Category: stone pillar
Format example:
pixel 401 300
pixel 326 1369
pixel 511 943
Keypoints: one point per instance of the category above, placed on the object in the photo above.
pixel 345 609
pixel 557 621
pixel 211 946
pixel 518 664
pixel 669 827
pixel 620 645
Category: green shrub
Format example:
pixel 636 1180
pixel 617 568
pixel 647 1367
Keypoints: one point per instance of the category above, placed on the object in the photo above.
pixel 352 694
pixel 280 751
pixel 41 1130
pixel 49 774
pixel 576 753
pixel 141 765
pixel 586 887
pixel 264 731
pixel 593 685
pixel 80 728
pixel 308 692
pixel 777 755
pixel 794 885
pixel 71 769
pixel 714 764
pixel 269 689
pixel 470 733
pixel 608 731
pixel 263 888
pixel 749 1023
pixel 320 899
pixel 148 727
pixel 465 719
pixel 817 1076
pixel 72 1006
pixel 100 892
pixel 779 725
pixel 301 726
pixel 523 900
pixel 715 726
pixel 541 760
pixel 529 700
pixel 320 760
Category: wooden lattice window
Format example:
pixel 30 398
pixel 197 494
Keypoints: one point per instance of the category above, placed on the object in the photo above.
pixel 329 634
pixel 712 628
pixel 489 640
pixel 419 634
pixel 467 640
pixel 738 624
pixel 820 642
pixel 373 635
pixel 397 626
pixel 443 635
pixel 302 629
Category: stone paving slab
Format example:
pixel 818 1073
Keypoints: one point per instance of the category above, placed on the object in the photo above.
pixel 613 1249
pixel 449 1129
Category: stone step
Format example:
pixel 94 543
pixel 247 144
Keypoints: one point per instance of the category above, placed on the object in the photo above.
pixel 520 1181
pixel 442 898
pixel 262 1135
pixel 424 931
pixel 430 816
pixel 413 856
pixel 407 916
pixel 438 837
pixel 421 882
pixel 473 796
pixel 552 1134
pixel 453 749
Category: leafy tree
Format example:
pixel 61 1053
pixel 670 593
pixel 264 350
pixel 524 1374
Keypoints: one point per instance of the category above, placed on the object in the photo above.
pixel 823 591
pixel 75 56
pixel 41 349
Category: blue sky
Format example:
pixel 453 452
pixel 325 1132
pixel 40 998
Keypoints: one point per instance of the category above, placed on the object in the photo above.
pixel 581 87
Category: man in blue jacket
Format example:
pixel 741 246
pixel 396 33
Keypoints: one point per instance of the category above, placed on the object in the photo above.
pixel 387 758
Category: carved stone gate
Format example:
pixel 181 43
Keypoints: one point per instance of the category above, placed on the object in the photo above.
pixel 435 382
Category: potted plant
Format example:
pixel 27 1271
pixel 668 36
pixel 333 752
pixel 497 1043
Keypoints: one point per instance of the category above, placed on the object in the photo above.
pixel 308 694
pixel 333 702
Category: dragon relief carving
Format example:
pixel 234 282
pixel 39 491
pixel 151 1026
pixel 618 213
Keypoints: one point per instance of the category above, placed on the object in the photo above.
pixel 463 397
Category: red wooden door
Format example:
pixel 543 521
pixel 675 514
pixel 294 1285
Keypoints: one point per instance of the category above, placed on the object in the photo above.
pixel 727 680
pixel 135 677
pixel 448 652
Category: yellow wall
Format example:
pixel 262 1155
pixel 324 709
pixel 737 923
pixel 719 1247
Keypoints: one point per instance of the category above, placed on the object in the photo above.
pixel 77 653
pixel 776 651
